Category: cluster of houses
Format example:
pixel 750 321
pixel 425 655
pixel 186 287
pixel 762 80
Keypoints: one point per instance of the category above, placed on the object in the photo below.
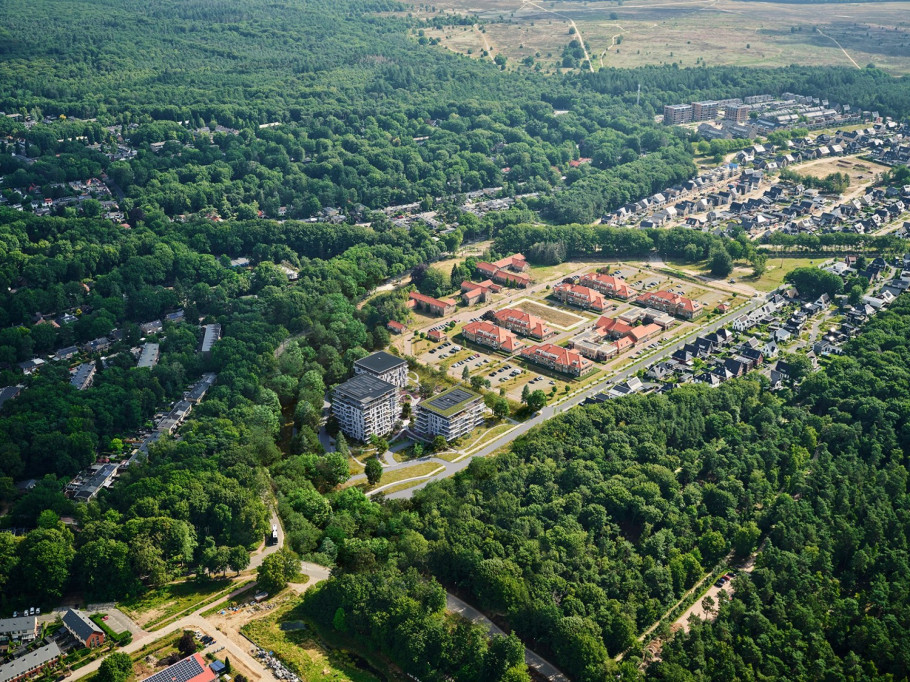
pixel 103 474
pixel 146 355
pixel 63 194
pixel 717 197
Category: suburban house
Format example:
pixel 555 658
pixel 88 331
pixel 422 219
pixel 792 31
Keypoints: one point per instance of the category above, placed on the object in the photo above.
pixel 522 323
pixel 582 297
pixel 557 358
pixel 148 357
pixel 84 630
pixel 478 292
pixel 608 285
pixel 433 306
pixel 30 664
pixel 190 669
pixel 385 366
pixel 490 335
pixel 365 406
pixel 674 304
pixel 395 327
pixel 436 335
pixel 451 414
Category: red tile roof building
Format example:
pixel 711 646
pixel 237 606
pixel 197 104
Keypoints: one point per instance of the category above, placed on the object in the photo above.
pixel 522 323
pixel 674 304
pixel 608 285
pixel 510 270
pixel 644 332
pixel 434 306
pixel 489 335
pixel 395 327
pixel 612 327
pixel 516 262
pixel 190 669
pixel 558 359
pixel 478 292
pixel 436 335
pixel 580 296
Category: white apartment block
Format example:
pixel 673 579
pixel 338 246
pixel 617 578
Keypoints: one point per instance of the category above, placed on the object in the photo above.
pixel 384 366
pixel 365 406
pixel 451 414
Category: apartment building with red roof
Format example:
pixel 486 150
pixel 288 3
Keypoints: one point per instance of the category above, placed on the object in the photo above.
pixel 558 359
pixel 478 292
pixel 644 332
pixel 489 335
pixel 612 327
pixel 522 323
pixel 434 306
pixel 579 296
pixel 510 271
pixel 671 303
pixel 608 285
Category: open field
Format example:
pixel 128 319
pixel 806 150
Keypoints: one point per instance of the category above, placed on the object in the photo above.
pixel 155 608
pixel 686 32
pixel 776 269
pixel 558 318
pixel 861 172
pixel 302 650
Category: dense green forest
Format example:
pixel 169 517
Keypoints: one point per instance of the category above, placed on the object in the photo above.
pixel 578 538
pixel 595 523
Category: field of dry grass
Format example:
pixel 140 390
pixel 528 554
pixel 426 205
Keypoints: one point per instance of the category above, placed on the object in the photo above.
pixel 687 32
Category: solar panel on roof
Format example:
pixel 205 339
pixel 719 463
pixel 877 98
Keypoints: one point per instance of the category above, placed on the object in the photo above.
pixel 182 671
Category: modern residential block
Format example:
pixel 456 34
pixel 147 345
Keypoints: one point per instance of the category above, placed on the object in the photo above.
pixel 385 366
pixel 365 406
pixel 450 414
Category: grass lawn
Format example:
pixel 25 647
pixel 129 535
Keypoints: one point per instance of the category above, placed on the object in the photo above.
pixel 775 270
pixel 155 608
pixel 421 469
pixel 302 650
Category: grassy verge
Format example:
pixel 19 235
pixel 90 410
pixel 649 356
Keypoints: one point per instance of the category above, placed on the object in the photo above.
pixel 303 651
pixel 158 607
pixel 241 598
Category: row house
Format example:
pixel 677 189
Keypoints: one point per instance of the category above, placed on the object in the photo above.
pixel 490 335
pixel 558 359
pixel 522 323
pixel 582 297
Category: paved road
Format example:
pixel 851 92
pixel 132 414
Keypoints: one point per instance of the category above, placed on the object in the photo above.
pixel 451 468
pixel 541 665
pixel 265 549
pixel 193 621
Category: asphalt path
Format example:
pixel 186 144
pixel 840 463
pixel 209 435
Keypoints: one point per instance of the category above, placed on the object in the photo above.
pixel 541 665
pixel 550 411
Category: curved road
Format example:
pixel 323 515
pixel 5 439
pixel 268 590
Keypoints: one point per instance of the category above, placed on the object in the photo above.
pixel 451 468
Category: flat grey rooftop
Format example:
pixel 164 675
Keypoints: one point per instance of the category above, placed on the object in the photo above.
pixel 380 362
